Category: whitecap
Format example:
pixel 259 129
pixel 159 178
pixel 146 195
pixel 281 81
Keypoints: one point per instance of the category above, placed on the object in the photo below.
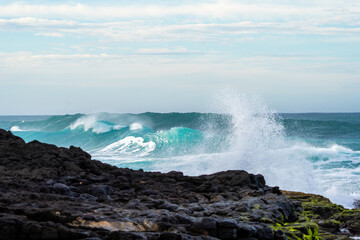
pixel 135 146
pixel 90 122
pixel 135 126
pixel 16 129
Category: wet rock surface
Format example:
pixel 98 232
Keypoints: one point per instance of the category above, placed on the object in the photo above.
pixel 48 192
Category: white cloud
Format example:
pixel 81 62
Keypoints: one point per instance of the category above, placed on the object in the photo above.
pixel 214 10
pixel 220 9
pixel 129 74
pixel 49 34
pixel 144 31
pixel 295 63
pixel 155 46
pixel 166 51
pixel 183 22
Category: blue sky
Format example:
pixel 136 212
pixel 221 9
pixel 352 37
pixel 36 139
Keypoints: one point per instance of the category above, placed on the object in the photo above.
pixel 61 57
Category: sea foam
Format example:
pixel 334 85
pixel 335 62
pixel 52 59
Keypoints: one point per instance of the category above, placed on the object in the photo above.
pixel 303 152
pixel 257 144
pixel 16 129
pixel 134 146
pixel 91 122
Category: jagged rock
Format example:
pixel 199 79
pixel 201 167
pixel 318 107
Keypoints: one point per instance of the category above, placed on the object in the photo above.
pixel 62 189
pixel 48 192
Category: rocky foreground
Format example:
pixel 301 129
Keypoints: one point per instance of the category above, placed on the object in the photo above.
pixel 48 192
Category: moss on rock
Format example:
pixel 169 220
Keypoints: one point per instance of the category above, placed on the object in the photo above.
pixel 303 229
pixel 328 216
pixel 349 219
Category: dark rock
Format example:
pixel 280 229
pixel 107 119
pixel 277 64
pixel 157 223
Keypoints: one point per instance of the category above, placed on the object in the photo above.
pixel 58 193
pixel 205 223
pixel 49 233
pixel 356 203
pixel 87 197
pixel 264 232
pixel 227 223
pixel 276 190
pixel 61 189
pixel 125 236
pixel 245 230
pixel 101 190
pixel 227 229
pixel 170 236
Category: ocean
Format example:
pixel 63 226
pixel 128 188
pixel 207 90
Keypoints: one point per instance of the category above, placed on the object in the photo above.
pixel 309 152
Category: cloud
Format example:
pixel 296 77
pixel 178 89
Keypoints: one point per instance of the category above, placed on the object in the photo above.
pixel 167 51
pixel 219 9
pixel 201 21
pixel 50 34
pixel 223 10
pixel 144 31
pixel 295 63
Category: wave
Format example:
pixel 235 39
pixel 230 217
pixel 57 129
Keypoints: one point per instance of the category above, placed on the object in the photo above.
pixel 91 122
pixel 16 129
pixel 322 129
pixel 318 153
pixel 134 146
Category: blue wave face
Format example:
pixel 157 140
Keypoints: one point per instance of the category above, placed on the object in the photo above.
pixel 173 133
pixel 182 131
pixel 291 150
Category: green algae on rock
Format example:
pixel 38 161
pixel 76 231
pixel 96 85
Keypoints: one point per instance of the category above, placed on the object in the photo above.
pixel 334 221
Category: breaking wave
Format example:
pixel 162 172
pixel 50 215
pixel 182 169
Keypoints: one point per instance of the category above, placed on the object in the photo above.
pixel 317 153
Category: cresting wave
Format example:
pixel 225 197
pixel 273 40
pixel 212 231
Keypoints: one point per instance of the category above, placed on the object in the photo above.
pixel 318 153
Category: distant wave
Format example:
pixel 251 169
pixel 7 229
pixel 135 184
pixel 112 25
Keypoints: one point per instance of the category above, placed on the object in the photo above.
pixel 91 122
pixel 16 129
pixel 317 153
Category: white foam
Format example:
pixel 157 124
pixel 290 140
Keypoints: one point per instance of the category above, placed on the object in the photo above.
pixel 90 122
pixel 117 127
pixel 130 145
pixel 86 122
pixel 16 129
pixel 135 126
pixel 259 145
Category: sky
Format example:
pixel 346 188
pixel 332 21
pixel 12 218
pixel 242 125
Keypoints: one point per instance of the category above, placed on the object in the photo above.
pixel 59 57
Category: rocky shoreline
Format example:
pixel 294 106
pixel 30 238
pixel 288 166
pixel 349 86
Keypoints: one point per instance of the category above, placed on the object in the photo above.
pixel 48 192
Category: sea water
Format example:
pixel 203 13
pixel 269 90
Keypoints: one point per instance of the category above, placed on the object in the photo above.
pixel 308 152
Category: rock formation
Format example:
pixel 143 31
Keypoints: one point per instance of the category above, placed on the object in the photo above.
pixel 48 192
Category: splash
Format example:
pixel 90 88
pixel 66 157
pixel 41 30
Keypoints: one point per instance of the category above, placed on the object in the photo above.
pixel 256 144
pixel 135 126
pixel 304 152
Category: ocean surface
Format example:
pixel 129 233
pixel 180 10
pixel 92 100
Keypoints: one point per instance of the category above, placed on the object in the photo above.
pixel 309 152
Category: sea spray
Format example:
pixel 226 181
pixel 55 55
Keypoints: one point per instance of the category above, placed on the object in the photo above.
pixel 259 143
pixel 317 153
pixel 256 143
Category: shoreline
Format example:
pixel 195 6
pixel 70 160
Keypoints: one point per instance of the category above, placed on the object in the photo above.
pixel 49 192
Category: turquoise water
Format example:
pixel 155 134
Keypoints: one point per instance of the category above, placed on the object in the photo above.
pixel 311 152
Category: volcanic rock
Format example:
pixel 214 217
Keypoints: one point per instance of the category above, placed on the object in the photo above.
pixel 48 192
